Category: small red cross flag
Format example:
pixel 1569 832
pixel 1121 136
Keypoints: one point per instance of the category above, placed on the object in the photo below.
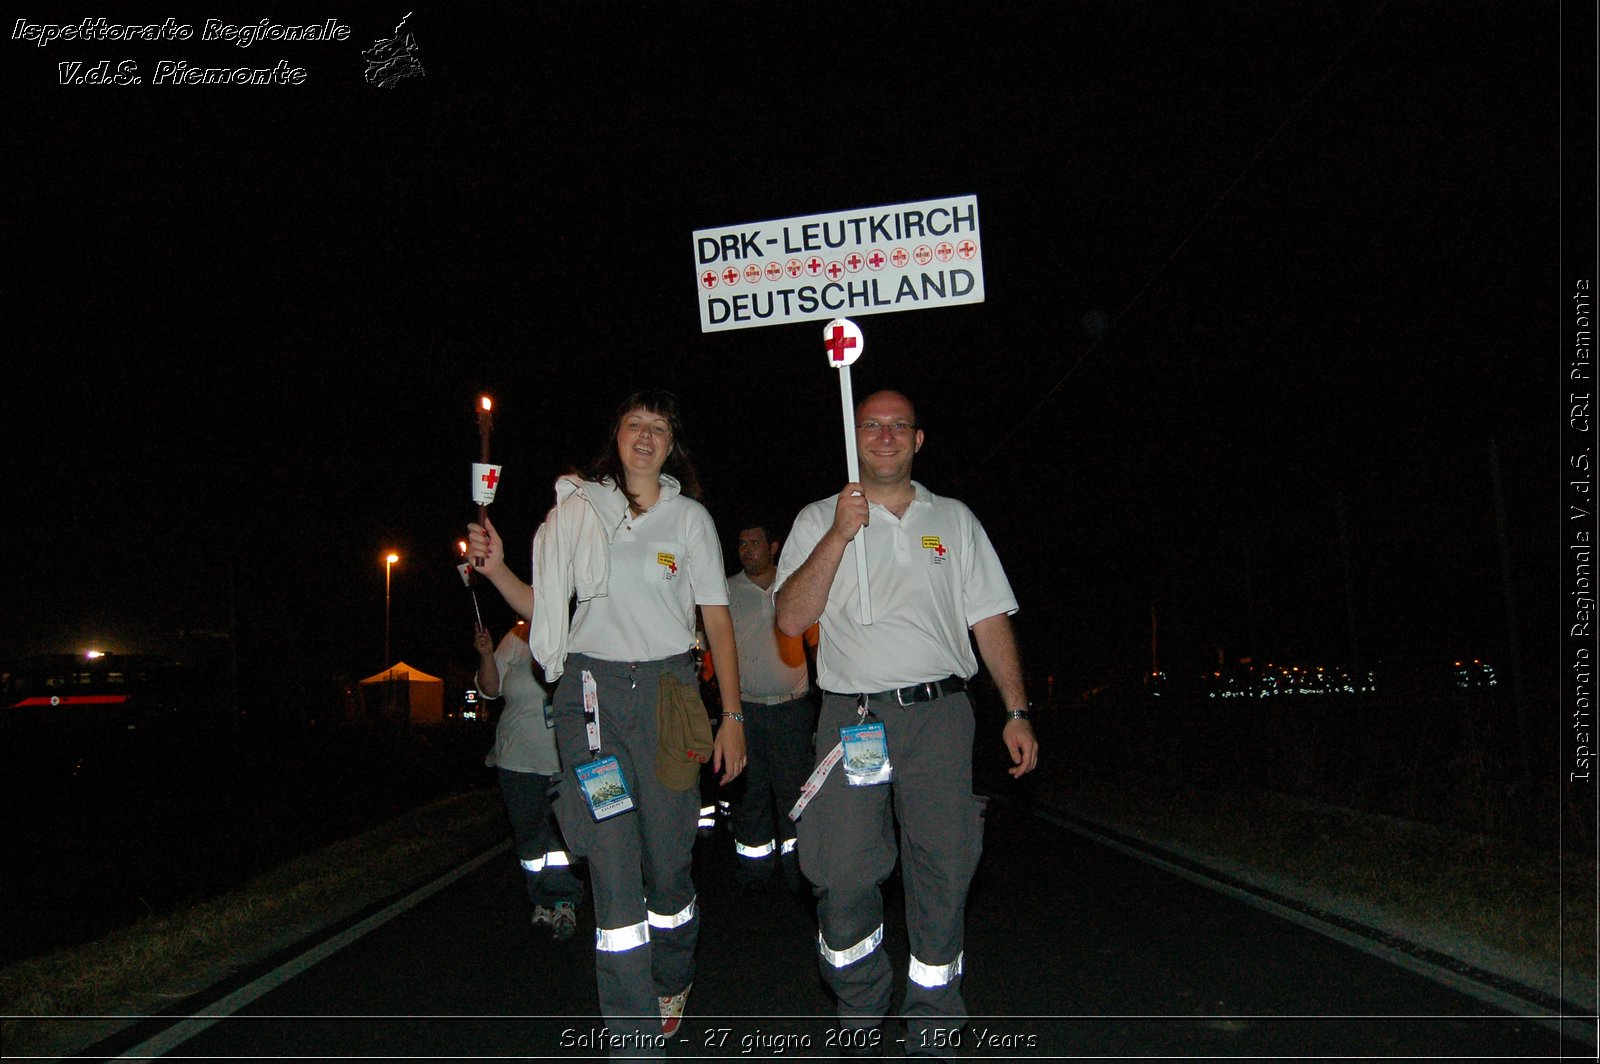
pixel 842 337
pixel 485 478
pixel 844 343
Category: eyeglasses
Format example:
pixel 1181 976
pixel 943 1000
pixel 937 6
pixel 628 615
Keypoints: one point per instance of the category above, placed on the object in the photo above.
pixel 896 428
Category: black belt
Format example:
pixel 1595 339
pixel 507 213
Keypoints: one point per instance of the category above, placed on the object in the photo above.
pixel 921 692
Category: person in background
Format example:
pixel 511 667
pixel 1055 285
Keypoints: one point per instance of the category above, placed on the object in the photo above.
pixel 775 691
pixel 524 756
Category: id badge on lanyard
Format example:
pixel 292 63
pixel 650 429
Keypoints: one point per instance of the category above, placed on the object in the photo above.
pixel 866 752
pixel 604 786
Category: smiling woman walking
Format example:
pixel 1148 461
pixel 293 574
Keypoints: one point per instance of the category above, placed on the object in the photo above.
pixel 630 540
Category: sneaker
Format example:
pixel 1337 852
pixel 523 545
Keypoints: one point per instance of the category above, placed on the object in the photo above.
pixel 544 917
pixel 672 1012
pixel 564 921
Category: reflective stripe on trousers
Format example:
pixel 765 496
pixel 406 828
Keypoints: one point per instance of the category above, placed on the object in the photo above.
pixel 553 859
pixel 841 957
pixel 677 919
pixel 621 939
pixel 935 975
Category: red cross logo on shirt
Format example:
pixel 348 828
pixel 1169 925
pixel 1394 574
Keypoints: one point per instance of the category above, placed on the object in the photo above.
pixel 941 550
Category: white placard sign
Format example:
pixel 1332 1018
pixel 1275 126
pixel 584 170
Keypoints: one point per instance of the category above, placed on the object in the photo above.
pixel 910 256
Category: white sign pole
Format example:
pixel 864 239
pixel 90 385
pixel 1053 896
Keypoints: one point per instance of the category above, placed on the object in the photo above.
pixel 844 342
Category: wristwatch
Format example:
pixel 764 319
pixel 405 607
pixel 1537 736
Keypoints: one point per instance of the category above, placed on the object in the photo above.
pixel 1019 714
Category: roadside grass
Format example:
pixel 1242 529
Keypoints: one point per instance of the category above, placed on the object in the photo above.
pixel 140 970
pixel 1493 891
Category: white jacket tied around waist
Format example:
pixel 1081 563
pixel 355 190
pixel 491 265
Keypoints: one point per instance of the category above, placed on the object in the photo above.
pixel 571 555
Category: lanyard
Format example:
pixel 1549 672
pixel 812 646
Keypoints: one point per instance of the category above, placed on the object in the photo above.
pixel 591 711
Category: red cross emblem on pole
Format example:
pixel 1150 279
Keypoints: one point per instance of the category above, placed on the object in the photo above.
pixel 839 343
pixel 490 479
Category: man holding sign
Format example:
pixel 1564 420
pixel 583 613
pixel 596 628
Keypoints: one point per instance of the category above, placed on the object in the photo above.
pixel 894 692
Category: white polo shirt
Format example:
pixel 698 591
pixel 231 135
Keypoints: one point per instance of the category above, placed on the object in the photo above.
pixel 932 574
pixel 522 743
pixel 663 564
pixel 770 663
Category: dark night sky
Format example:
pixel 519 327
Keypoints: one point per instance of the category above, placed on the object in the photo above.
pixel 250 323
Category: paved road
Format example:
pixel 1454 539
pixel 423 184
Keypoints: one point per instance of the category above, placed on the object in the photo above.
pixel 1073 950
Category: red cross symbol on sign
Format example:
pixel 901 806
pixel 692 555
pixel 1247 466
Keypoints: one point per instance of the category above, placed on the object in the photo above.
pixel 813 265
pixel 793 268
pixel 490 479
pixel 752 273
pixel 898 257
pixel 944 250
pixel 966 249
pixel 923 254
pixel 708 280
pixel 839 343
pixel 730 276
pixel 853 262
pixel 774 271
pixel 834 270
pixel 875 260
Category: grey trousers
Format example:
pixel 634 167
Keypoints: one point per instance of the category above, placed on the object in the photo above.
pixel 847 848
pixel 540 851
pixel 646 915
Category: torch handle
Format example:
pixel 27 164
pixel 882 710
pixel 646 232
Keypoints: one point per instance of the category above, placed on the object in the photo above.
pixel 485 426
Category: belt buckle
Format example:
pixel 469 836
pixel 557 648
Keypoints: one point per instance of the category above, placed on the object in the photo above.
pixel 917 688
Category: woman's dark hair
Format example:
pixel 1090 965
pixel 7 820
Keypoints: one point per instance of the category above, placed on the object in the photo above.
pixel 608 466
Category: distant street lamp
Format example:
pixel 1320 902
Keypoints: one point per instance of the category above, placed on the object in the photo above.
pixel 388 567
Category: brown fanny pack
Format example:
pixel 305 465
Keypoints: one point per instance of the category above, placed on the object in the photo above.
pixel 685 734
